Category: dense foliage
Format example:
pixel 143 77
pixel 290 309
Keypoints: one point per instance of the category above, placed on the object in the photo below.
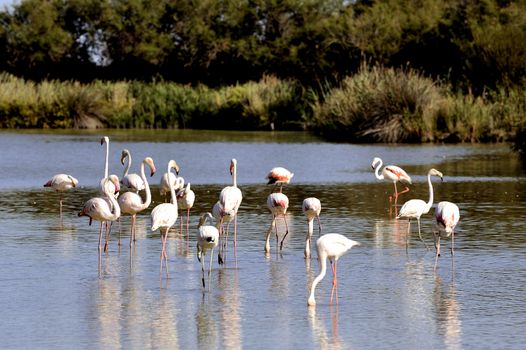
pixel 434 70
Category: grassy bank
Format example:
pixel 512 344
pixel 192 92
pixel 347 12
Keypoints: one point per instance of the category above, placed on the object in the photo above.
pixel 375 105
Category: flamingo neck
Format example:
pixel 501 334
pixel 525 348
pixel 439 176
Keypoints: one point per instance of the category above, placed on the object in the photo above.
pixel 172 188
pixel 116 208
pixel 234 176
pixel 430 202
pixel 148 200
pixel 127 168
pixel 106 163
pixel 323 270
pixel 377 171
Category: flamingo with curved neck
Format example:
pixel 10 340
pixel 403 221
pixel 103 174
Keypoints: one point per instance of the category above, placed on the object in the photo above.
pixel 132 181
pixel 131 202
pixel 414 208
pixel 391 173
pixel 330 246
pixel 165 215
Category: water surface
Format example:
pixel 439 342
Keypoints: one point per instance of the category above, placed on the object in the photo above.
pixel 52 294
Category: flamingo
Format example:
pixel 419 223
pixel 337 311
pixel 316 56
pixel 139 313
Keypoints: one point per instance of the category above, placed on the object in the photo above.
pixel 391 173
pixel 330 246
pixel 447 215
pixel 131 202
pixel 100 210
pixel 114 183
pixel 414 208
pixel 311 208
pixel 279 176
pixel 229 201
pixel 185 201
pixel 207 239
pixel 165 215
pixel 278 203
pixel 169 179
pixel 132 181
pixel 61 183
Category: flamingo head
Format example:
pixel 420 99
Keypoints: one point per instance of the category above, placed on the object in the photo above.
pixel 125 153
pixel 233 165
pixel 173 165
pixel 435 172
pixel 115 180
pixel 376 162
pixel 104 139
pixel 149 161
pixel 74 182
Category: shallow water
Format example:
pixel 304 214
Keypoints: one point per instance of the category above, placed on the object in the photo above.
pixel 53 295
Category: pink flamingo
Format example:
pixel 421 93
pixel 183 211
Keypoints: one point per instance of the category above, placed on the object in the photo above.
pixel 132 181
pixel 278 203
pixel 229 201
pixel 393 174
pixel 207 239
pixel 279 176
pixel 102 209
pixel 61 183
pixel 414 208
pixel 185 201
pixel 169 179
pixel 311 208
pixel 330 246
pixel 165 215
pixel 447 216
pixel 131 202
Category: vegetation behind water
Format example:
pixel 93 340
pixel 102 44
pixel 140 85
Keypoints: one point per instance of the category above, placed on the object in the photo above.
pixel 435 70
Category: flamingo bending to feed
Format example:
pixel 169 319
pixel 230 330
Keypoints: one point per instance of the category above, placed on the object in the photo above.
pixel 61 183
pixel 393 174
pixel 185 201
pixel 229 201
pixel 207 239
pixel 165 215
pixel 279 176
pixel 278 203
pixel 132 181
pixel 330 246
pixel 100 209
pixel 131 202
pixel 414 208
pixel 311 208
pixel 447 216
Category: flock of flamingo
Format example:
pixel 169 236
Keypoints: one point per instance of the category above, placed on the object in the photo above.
pixel 213 227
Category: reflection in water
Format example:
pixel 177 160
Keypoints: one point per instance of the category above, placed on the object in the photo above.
pixel 230 321
pixel 447 313
pixel 206 326
pixel 323 339
pixel 107 308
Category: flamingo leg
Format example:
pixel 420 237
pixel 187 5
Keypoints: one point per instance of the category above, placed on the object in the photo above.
pixel 437 247
pixel 408 234
pixel 180 223
pixel 319 225
pixel 203 271
pixel 235 235
pixel 107 238
pixel 453 243
pixel 100 237
pixel 286 232
pixel 188 224
pixel 395 194
pixel 210 268
pixel 276 229
pixel 334 281
pixel 221 238
pixel 420 234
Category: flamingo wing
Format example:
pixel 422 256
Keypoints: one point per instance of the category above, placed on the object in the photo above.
pixel 164 215
pixel 412 209
pixel 396 173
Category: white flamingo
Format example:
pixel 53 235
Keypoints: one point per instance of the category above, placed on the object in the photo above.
pixel 330 246
pixel 131 202
pixel 61 183
pixel 278 203
pixel 391 173
pixel 279 176
pixel 165 215
pixel 185 201
pixel 311 208
pixel 114 178
pixel 229 201
pixel 414 208
pixel 169 179
pixel 447 216
pixel 100 209
pixel 132 181
pixel 207 239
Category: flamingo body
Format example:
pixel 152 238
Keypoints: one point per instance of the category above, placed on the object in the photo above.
pixel 279 176
pixel 311 208
pixel 447 216
pixel 132 181
pixel 207 239
pixel 391 173
pixel 62 182
pixel 415 208
pixel 278 203
pixel 330 246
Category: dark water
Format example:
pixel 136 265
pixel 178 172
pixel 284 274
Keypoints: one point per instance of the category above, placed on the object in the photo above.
pixel 52 294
